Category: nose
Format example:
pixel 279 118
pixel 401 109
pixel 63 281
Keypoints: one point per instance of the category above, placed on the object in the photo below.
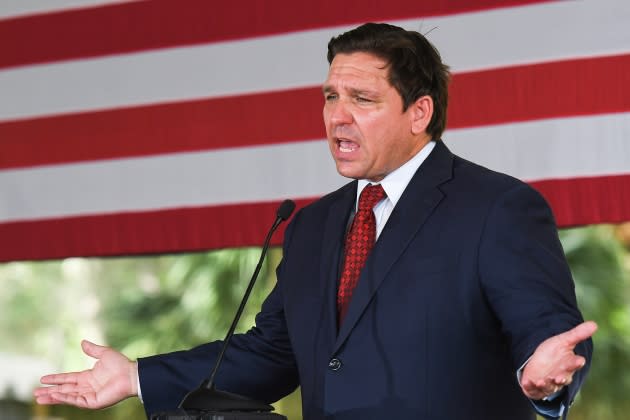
pixel 338 113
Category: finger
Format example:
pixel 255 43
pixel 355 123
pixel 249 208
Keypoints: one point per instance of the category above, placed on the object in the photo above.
pixel 563 380
pixel 573 364
pixel 93 350
pixel 533 390
pixel 55 395
pixel 547 387
pixel 59 378
pixel 72 389
pixel 46 400
pixel 566 368
pixel 560 381
pixel 43 392
pixel 47 390
pixel 579 333
pixel 71 399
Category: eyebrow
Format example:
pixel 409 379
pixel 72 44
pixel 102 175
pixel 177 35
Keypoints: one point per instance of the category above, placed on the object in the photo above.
pixel 363 92
pixel 353 91
pixel 327 89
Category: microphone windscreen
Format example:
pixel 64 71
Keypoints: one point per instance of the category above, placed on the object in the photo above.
pixel 285 209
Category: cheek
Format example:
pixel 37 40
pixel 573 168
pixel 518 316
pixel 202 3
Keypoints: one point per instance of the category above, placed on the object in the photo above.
pixel 327 124
pixel 385 143
pixel 375 133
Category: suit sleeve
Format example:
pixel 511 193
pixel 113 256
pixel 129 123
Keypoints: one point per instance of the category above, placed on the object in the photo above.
pixel 258 364
pixel 527 280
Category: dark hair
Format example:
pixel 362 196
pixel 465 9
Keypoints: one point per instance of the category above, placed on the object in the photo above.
pixel 415 65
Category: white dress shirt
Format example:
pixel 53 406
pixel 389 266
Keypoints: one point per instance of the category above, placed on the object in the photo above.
pixel 394 185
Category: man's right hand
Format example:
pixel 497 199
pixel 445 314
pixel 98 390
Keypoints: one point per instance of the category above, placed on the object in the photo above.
pixel 112 379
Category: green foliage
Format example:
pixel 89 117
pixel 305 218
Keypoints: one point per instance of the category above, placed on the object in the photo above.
pixel 141 306
pixel 185 300
pixel 600 266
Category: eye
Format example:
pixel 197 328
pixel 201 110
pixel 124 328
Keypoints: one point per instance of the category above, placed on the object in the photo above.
pixel 362 99
pixel 330 97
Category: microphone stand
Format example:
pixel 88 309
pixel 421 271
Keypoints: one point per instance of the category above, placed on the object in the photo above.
pixel 209 403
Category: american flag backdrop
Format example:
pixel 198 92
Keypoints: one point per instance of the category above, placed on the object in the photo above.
pixel 134 127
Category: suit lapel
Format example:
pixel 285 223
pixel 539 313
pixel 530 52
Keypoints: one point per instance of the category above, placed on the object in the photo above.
pixel 419 200
pixel 332 248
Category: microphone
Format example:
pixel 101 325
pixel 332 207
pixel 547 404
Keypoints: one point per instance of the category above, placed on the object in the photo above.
pixel 284 211
pixel 206 397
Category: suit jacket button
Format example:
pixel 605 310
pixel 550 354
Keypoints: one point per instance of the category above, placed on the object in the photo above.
pixel 334 364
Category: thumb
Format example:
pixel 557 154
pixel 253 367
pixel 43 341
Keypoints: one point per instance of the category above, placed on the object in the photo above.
pixel 93 350
pixel 580 333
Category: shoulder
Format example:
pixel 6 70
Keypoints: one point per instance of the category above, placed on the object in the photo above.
pixel 475 174
pixel 314 215
pixel 455 174
pixel 321 206
pixel 485 183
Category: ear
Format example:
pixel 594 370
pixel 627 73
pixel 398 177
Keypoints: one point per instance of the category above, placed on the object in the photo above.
pixel 421 112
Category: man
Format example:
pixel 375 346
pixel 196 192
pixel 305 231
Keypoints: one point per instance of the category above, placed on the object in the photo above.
pixel 464 308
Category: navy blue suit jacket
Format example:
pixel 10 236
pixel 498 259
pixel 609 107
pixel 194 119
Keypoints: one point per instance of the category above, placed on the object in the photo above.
pixel 467 278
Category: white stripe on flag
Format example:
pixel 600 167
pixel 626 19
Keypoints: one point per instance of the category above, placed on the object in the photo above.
pixel 19 8
pixel 549 149
pixel 168 181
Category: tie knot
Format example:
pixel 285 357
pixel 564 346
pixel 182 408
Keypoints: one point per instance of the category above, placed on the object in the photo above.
pixel 371 195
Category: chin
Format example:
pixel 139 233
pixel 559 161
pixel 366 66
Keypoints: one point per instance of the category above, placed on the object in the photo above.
pixel 350 169
pixel 348 174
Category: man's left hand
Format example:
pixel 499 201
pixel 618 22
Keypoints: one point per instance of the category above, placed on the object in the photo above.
pixel 554 362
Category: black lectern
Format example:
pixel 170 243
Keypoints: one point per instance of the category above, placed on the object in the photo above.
pixel 209 403
pixel 212 404
pixel 215 415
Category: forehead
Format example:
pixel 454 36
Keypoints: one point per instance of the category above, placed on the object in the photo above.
pixel 357 68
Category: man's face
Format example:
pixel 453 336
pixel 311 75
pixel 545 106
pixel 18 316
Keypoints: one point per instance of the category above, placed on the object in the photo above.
pixel 368 133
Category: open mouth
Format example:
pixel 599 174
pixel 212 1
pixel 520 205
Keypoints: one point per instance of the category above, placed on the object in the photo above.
pixel 346 146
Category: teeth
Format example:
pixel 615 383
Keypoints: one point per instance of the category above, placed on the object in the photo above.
pixel 346 146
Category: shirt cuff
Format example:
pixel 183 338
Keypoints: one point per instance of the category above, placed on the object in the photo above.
pixel 138 383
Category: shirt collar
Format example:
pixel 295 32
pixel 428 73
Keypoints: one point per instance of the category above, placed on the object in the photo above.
pixel 395 182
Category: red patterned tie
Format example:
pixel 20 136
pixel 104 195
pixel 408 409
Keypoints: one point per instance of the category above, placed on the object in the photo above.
pixel 359 243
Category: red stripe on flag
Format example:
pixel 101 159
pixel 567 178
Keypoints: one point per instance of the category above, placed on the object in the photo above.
pixel 136 26
pixel 179 230
pixel 584 201
pixel 549 90
pixel 528 92
pixel 274 117
pixel 574 202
